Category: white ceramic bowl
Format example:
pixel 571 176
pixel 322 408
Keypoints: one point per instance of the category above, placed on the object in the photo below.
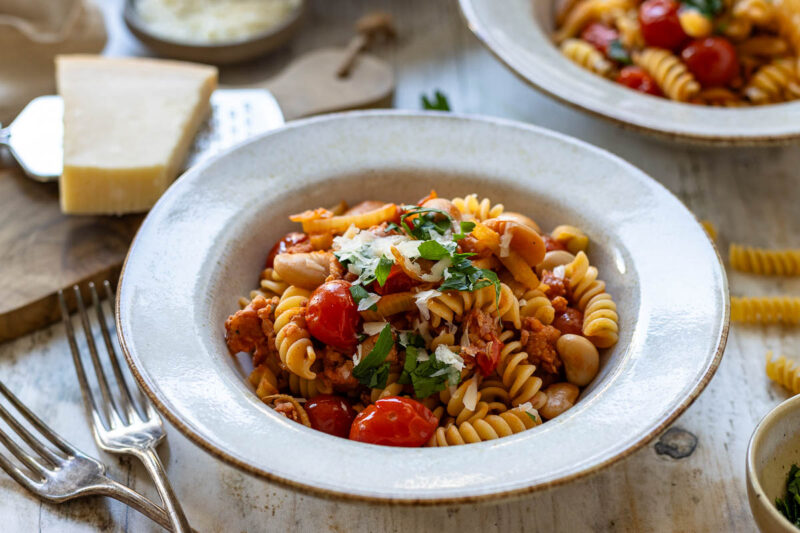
pixel 203 245
pixel 518 33
pixel 773 449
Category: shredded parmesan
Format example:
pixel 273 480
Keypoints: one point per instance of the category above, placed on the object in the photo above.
pixel 560 271
pixel 373 328
pixel 421 299
pixel 471 396
pixel 505 243
pixel 449 357
pixel 357 356
pixel 368 302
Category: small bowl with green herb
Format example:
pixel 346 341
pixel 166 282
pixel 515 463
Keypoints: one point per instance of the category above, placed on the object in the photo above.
pixel 773 469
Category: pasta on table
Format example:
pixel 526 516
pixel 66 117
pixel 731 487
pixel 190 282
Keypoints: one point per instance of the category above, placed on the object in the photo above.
pixel 441 323
pixel 724 53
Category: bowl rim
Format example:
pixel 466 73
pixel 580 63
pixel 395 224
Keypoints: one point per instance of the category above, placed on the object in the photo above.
pixel 771 418
pixel 134 21
pixel 717 139
pixel 218 452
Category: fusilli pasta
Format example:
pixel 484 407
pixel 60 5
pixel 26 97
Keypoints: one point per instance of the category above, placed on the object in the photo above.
pixel 764 261
pixel 767 310
pixel 293 340
pixel 587 56
pixel 481 210
pixel 670 74
pixel 491 427
pixel 784 372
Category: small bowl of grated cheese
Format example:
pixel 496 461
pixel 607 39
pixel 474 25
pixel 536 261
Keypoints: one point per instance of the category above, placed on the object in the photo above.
pixel 213 31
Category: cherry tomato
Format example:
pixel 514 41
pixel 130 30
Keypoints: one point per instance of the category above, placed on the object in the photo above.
pixel 332 316
pixel 551 244
pixel 570 321
pixel 712 60
pixel 394 421
pixel 330 414
pixel 638 79
pixel 487 360
pixel 290 239
pixel 397 281
pixel 600 36
pixel 660 24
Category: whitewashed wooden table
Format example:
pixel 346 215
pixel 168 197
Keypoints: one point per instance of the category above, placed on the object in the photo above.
pixel 752 195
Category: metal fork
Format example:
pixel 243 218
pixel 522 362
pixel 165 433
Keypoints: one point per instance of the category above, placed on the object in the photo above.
pixel 123 425
pixel 58 471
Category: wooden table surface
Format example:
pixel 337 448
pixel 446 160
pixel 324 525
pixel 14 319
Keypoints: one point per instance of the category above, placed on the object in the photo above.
pixel 750 194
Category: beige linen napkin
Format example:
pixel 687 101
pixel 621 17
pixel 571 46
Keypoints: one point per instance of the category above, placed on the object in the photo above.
pixel 32 33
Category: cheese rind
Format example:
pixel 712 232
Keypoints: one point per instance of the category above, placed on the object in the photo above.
pixel 128 126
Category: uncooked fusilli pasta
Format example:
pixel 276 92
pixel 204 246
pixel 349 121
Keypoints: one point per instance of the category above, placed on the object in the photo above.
pixel 784 372
pixel 764 261
pixel 766 310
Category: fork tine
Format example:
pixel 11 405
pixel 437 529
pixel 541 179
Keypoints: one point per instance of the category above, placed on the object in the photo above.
pixel 76 358
pixel 26 459
pixel 26 435
pixel 126 399
pixel 114 415
pixel 37 423
pixel 18 475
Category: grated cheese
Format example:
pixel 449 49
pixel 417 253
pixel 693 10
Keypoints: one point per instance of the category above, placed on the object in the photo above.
pixel 471 396
pixel 357 356
pixel 373 328
pixel 368 302
pixel 421 299
pixel 449 357
pixel 505 244
pixel 560 271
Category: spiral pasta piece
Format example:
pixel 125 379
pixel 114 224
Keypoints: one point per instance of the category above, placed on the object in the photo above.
pixel 587 56
pixel 472 208
pixel 601 321
pixel 768 310
pixel 583 280
pixel 293 340
pixel 464 402
pixel 710 229
pixel 764 261
pixel 271 283
pixel 489 428
pixel 774 83
pixel 308 388
pixel 452 305
pixel 630 31
pixel 264 380
pixel 585 12
pixel 574 239
pixel 784 372
pixel 670 73
pixel 516 373
pixel 536 304
pixel 757 12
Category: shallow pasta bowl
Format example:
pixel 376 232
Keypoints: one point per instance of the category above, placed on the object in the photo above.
pixel 518 33
pixel 203 245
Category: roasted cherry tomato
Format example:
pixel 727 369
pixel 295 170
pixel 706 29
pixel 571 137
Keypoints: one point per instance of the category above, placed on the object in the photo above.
pixel 330 414
pixel 570 321
pixel 487 360
pixel 394 421
pixel 600 36
pixel 397 281
pixel 660 24
pixel 290 239
pixel 712 60
pixel 638 79
pixel 332 316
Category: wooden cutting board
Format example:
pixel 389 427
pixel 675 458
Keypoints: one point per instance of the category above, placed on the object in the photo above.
pixel 43 251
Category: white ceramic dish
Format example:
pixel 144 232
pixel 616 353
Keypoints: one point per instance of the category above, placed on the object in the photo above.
pixel 519 35
pixel 773 449
pixel 204 243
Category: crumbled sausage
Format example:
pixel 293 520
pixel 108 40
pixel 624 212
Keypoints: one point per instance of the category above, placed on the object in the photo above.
pixel 251 329
pixel 540 344
pixel 287 409
pixel 556 286
pixel 570 320
pixel 338 370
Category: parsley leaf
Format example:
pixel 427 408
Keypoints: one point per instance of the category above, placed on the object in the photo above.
pixel 391 226
pixel 790 505
pixel 433 250
pixel 429 376
pixel 709 8
pixel 359 293
pixel 383 269
pixel 373 370
pixel 425 222
pixel 439 102
pixel 466 227
pixel 618 53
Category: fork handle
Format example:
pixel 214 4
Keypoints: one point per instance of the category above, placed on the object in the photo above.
pixel 133 499
pixel 151 461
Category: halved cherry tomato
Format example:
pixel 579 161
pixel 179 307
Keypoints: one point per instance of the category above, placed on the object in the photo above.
pixel 397 281
pixel 332 315
pixel 660 24
pixel 290 239
pixel 570 321
pixel 638 79
pixel 330 414
pixel 394 421
pixel 600 36
pixel 712 60
pixel 488 358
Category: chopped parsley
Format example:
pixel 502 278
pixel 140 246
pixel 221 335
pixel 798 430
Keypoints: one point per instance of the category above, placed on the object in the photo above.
pixel 709 8
pixel 383 269
pixel 462 275
pixel 427 375
pixel 790 505
pixel 466 227
pixel 439 102
pixel 373 370
pixel 359 293
pixel 618 53
pixel 425 223
pixel 433 250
